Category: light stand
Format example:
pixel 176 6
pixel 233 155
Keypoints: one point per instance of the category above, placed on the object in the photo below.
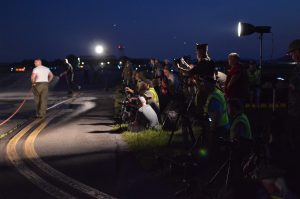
pixel 248 29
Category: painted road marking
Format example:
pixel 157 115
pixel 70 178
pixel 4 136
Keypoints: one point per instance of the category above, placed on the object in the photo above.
pixel 32 155
pixel 15 159
pixel 3 135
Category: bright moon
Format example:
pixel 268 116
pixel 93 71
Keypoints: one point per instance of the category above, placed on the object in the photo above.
pixel 99 49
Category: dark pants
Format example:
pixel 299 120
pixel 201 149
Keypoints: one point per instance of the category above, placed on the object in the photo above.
pixel 40 92
pixel 72 86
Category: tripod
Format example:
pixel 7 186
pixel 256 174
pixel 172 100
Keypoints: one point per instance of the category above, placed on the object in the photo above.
pixel 186 126
pixel 221 168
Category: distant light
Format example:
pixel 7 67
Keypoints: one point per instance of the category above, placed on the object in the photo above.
pixel 108 62
pixel 203 152
pixel 120 62
pixel 102 63
pixel 67 61
pixel 280 78
pixel 99 49
pixel 79 59
pixel 239 29
pixel 82 63
pixel 11 69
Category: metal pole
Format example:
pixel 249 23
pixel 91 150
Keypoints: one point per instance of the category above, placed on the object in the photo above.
pixel 261 50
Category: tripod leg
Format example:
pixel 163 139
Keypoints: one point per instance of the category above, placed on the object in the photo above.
pixel 191 133
pixel 200 139
pixel 173 130
pixel 228 169
pixel 218 172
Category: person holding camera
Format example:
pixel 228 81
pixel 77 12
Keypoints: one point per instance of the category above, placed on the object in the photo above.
pixel 205 66
pixel 172 81
pixel 146 117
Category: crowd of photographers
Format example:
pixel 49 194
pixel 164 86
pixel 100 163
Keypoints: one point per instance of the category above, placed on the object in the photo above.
pixel 200 91
pixel 165 84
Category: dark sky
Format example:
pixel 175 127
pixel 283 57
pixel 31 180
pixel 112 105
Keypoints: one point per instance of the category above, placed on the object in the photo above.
pixel 158 28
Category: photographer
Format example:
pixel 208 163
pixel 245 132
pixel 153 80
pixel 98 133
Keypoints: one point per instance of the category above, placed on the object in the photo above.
pixel 173 84
pixel 204 68
pixel 240 136
pixel 145 117
pixel 149 98
pixel 216 109
pixel 236 85
pixel 240 128
pixel 138 81
pixel 152 91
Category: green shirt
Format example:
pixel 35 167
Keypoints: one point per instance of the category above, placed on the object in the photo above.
pixel 240 128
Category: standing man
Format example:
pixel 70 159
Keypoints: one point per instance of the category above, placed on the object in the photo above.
pixel 40 78
pixel 127 73
pixel 204 68
pixel 69 74
pixel 294 96
pixel 236 84
pixel 293 127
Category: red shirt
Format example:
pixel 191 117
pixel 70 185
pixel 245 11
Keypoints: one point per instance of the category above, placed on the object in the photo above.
pixel 240 88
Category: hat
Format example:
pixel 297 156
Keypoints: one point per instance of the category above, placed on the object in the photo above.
pixel 294 45
pixel 201 46
pixel 148 94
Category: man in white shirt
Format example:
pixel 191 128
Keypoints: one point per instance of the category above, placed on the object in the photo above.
pixel 40 78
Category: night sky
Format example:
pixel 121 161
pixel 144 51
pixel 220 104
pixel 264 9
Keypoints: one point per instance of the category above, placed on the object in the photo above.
pixel 158 28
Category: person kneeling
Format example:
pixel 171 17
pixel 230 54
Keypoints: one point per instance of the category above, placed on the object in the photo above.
pixel 145 117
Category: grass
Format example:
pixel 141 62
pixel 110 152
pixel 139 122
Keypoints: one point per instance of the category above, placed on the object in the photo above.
pixel 149 144
pixel 147 140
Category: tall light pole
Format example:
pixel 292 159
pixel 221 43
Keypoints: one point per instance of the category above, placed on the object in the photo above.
pixel 248 29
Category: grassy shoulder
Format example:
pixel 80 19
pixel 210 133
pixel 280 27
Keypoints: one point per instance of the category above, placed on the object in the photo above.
pixel 147 140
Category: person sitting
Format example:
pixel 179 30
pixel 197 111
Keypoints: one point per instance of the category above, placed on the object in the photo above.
pixel 146 117
pixel 154 95
pixel 149 98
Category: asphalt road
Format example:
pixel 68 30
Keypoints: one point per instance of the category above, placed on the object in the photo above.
pixel 72 153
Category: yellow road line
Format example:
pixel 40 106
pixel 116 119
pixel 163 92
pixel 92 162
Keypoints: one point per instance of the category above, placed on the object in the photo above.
pixel 15 159
pixel 32 155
